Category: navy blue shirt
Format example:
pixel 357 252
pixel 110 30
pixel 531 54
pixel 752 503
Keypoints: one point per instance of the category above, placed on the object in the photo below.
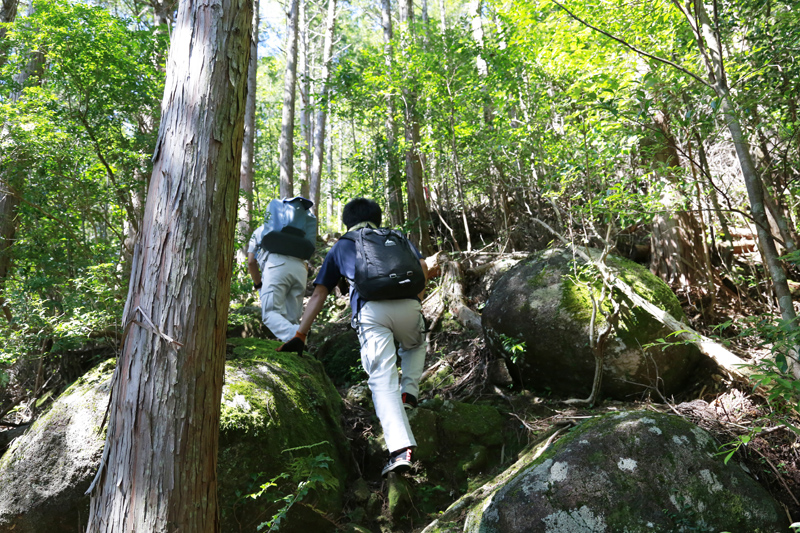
pixel 341 263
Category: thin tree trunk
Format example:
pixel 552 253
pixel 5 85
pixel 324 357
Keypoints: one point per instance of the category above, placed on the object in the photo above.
pixel 322 107
pixel 248 144
pixel 394 179
pixel 332 212
pixel 286 141
pixel 9 206
pixel 417 208
pixel 158 470
pixel 777 223
pixel 305 101
pixel 710 49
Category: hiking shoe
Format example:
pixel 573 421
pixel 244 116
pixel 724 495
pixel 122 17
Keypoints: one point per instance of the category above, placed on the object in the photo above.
pixel 398 463
pixel 409 401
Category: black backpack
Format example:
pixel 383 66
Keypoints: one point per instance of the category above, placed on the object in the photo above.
pixel 387 268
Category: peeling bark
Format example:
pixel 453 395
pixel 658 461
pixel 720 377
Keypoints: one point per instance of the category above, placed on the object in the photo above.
pixel 158 470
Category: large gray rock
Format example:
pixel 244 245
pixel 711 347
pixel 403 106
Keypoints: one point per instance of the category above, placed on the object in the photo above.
pixel 279 413
pixel 45 472
pixel 628 472
pixel 537 304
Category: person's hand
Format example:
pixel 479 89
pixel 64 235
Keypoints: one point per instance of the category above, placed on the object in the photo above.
pixel 295 344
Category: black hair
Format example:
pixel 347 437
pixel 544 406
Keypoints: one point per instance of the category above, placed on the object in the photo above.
pixel 360 210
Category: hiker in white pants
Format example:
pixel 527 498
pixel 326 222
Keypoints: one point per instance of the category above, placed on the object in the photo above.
pixel 281 282
pixel 379 324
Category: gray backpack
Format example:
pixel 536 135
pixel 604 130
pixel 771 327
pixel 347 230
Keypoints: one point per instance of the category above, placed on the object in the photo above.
pixel 290 228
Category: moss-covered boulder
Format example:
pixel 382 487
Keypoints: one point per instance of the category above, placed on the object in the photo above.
pixel 538 318
pixel 45 472
pixel 281 414
pixel 635 472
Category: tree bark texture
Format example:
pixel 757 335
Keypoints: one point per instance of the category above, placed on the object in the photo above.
pixel 9 206
pixel 678 253
pixel 8 12
pixel 158 471
pixel 286 140
pixel 322 107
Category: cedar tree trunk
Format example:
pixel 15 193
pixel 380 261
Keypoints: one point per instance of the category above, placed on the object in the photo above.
pixel 158 472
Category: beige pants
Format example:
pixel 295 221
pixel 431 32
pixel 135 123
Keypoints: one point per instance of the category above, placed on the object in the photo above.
pixel 284 285
pixel 379 325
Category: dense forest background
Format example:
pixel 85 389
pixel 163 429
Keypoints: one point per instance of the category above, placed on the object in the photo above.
pixel 666 131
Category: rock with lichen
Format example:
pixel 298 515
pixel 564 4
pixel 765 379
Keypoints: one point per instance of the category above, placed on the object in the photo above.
pixel 539 319
pixel 45 472
pixel 636 472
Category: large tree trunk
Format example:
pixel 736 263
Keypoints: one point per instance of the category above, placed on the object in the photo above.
pixel 394 178
pixel 158 471
pixel 163 12
pixel 677 237
pixel 286 141
pixel 248 144
pixel 8 12
pixel 322 107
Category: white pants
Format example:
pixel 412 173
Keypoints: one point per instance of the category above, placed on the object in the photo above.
pixel 284 285
pixel 379 325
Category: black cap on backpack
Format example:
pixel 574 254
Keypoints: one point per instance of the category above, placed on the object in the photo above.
pixel 305 201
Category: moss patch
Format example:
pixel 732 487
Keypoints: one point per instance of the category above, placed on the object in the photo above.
pixel 276 408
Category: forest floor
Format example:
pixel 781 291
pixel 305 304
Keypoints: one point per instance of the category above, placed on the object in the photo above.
pixel 745 425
